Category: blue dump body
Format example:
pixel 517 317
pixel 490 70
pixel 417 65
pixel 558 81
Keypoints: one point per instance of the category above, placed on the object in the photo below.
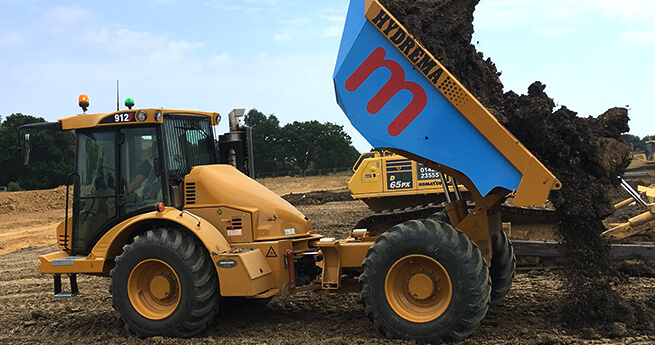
pixel 387 88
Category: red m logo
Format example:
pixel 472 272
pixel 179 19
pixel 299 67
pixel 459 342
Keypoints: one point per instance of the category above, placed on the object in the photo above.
pixel 395 84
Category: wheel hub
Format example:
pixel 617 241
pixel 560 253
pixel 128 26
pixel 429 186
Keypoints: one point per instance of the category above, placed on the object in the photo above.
pixel 418 288
pixel 161 287
pixel 153 289
pixel 421 286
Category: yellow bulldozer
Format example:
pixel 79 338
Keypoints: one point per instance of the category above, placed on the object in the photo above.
pixel 176 232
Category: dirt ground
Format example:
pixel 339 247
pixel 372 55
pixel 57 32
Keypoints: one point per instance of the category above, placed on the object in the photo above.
pixel 29 314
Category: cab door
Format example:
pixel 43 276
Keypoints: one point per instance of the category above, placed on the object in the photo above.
pixel 119 176
pixel 95 200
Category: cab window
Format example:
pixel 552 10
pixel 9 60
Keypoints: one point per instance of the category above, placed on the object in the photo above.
pixel 96 202
pixel 140 169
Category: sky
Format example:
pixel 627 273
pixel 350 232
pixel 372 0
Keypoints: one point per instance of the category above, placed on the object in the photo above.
pixel 278 56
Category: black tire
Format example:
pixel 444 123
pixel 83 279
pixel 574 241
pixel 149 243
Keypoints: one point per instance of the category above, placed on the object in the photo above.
pixel 503 266
pixel 441 217
pixel 403 251
pixel 183 267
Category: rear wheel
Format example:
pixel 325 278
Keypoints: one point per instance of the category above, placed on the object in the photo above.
pixel 164 284
pixel 503 266
pixel 424 280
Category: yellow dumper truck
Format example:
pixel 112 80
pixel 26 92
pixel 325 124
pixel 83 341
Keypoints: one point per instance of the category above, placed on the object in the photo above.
pixel 176 231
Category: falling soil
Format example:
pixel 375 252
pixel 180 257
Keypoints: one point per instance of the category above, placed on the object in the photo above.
pixel 585 154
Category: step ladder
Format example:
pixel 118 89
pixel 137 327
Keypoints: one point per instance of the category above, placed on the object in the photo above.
pixel 73 286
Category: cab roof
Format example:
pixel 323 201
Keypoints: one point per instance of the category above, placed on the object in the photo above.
pixel 128 117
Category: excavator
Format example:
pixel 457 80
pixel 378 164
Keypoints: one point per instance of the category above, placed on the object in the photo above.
pixel 402 190
pixel 398 189
pixel 176 232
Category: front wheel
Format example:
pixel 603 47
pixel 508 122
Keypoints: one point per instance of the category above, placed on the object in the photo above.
pixel 164 284
pixel 425 280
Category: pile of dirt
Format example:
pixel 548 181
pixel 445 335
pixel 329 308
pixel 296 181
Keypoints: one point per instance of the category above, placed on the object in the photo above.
pixel 318 197
pixel 298 184
pixel 586 155
pixel 33 200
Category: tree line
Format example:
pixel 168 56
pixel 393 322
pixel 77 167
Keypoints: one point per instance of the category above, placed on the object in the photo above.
pixel 51 155
pixel 638 145
pixel 302 146
pixel 296 146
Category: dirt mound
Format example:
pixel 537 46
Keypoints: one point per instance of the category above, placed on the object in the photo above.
pixel 586 155
pixel 33 200
pixel 318 197
pixel 298 184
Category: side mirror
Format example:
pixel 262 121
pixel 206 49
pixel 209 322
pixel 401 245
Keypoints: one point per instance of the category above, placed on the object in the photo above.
pixel 24 139
pixel 25 149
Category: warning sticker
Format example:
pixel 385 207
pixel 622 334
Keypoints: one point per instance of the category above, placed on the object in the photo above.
pixel 235 232
pixel 271 253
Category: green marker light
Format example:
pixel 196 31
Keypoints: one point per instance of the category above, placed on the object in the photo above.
pixel 129 103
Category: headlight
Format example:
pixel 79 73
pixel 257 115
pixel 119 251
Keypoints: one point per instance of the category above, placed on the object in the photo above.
pixel 141 115
pixel 218 118
pixel 158 115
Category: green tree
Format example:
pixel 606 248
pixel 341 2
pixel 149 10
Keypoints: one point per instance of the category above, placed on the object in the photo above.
pixel 308 145
pixel 634 141
pixel 312 145
pixel 265 141
pixel 51 156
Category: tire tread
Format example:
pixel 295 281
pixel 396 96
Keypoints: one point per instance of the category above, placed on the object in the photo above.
pixel 475 272
pixel 204 282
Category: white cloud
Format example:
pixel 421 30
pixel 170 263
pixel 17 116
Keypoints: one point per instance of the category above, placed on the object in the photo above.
pixel 161 2
pixel 283 37
pixel 262 2
pixel 224 5
pixel 296 22
pixel 182 45
pixel 10 39
pixel 555 31
pixel 639 37
pixel 508 13
pixel 221 59
pixel 332 31
pixel 335 18
pixel 252 7
pixel 64 16
pixel 139 44
pixel 97 37
pixel 641 10
pixel 502 13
